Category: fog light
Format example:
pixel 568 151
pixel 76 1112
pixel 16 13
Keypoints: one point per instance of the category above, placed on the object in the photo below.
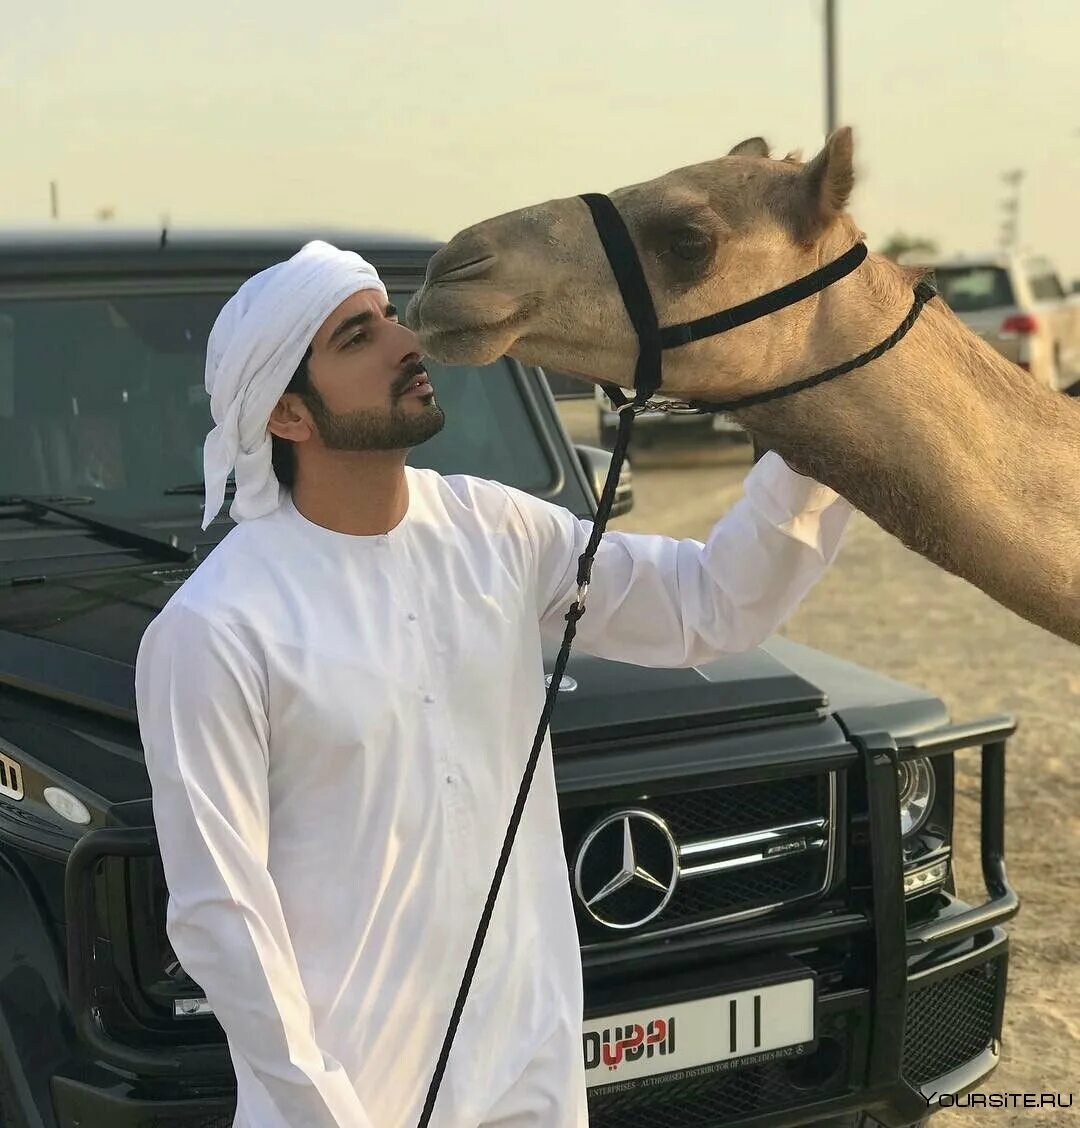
pixel 66 805
pixel 916 787
pixel 926 877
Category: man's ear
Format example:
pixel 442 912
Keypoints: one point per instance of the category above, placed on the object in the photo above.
pixel 290 419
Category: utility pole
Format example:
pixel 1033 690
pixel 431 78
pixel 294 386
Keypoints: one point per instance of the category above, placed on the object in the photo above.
pixel 830 66
pixel 54 199
pixel 1010 226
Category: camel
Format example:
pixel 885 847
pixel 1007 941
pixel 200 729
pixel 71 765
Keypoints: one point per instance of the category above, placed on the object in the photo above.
pixel 961 455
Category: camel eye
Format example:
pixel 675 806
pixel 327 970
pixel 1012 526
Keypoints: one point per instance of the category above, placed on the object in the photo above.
pixel 690 245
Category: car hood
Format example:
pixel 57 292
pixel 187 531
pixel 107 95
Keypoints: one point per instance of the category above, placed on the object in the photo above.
pixel 70 646
pixel 76 639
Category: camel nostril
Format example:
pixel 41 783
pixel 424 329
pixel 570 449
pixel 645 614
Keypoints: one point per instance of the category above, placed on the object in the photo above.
pixel 472 267
pixel 464 256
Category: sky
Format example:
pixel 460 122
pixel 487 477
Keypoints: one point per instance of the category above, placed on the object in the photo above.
pixel 428 115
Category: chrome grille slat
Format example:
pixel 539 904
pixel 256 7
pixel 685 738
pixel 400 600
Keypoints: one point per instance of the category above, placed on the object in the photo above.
pixel 743 861
pixel 754 838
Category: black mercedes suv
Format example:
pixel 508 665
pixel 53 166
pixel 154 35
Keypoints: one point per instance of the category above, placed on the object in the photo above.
pixel 802 954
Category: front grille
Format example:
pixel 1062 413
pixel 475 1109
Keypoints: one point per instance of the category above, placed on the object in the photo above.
pixel 950 1022
pixel 731 810
pixel 188 1120
pixel 769 884
pixel 712 814
pixel 720 1098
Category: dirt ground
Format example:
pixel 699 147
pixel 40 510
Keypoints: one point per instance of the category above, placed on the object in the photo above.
pixel 886 608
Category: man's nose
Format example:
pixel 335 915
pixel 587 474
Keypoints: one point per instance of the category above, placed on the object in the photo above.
pixel 408 339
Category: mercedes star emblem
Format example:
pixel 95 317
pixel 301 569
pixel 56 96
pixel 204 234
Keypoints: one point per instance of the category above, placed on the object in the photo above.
pixel 627 868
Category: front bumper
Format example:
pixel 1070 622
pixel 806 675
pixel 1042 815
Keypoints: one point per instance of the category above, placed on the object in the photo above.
pixel 902 1013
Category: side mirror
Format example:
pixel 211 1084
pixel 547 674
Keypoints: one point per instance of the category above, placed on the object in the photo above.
pixel 596 463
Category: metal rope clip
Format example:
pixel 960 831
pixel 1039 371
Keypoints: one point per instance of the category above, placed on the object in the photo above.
pixel 582 592
pixel 672 407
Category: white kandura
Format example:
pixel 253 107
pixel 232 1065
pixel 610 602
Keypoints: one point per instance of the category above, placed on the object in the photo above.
pixel 335 730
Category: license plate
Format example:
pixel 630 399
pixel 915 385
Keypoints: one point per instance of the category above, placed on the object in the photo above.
pixel 700 1036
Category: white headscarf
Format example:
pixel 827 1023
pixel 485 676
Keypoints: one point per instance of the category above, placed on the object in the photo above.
pixel 255 346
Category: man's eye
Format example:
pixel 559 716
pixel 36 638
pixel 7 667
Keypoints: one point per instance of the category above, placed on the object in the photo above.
pixel 357 338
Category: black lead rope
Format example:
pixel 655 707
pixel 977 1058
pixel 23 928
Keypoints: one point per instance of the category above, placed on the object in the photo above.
pixel 652 340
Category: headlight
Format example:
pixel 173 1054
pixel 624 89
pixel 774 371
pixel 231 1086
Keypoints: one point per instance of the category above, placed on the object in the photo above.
pixel 916 786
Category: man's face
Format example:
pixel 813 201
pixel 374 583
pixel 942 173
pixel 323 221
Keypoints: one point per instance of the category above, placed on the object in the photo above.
pixel 372 390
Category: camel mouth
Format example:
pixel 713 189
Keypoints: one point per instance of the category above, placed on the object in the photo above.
pixel 457 327
pixel 465 344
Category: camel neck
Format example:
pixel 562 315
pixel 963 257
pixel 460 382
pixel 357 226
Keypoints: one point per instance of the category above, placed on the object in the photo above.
pixel 946 445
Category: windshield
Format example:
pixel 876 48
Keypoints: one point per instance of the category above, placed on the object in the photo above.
pixel 969 289
pixel 103 397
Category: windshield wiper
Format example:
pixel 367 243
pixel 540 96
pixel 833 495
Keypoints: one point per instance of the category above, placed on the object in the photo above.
pixel 26 499
pixel 197 488
pixel 116 530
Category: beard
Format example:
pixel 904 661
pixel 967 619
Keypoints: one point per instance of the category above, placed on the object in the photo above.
pixel 376 428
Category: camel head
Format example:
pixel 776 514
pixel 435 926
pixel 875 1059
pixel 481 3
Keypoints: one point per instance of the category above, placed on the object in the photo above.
pixel 535 284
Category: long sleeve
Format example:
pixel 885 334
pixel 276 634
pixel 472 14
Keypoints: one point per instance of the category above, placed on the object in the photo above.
pixel 202 714
pixel 657 601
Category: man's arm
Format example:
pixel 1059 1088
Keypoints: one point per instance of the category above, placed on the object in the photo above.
pixel 656 601
pixel 203 719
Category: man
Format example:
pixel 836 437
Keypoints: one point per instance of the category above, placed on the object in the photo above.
pixel 338 705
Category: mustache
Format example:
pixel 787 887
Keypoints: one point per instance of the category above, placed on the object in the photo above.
pixel 408 377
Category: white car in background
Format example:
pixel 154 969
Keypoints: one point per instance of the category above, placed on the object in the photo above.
pixel 1019 306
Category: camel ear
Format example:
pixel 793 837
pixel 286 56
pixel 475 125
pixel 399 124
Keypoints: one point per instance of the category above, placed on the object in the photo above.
pixel 826 184
pixel 751 147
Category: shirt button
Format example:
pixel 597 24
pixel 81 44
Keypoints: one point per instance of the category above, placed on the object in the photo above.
pixel 428 699
pixel 412 617
pixel 449 779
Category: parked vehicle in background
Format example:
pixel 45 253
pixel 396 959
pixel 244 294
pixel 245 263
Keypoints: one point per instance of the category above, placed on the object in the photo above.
pixel 564 386
pixel 1019 306
pixel 652 423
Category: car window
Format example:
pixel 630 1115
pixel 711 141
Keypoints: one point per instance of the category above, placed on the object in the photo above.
pixel 104 396
pixel 968 289
pixel 7 367
pixel 1046 288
